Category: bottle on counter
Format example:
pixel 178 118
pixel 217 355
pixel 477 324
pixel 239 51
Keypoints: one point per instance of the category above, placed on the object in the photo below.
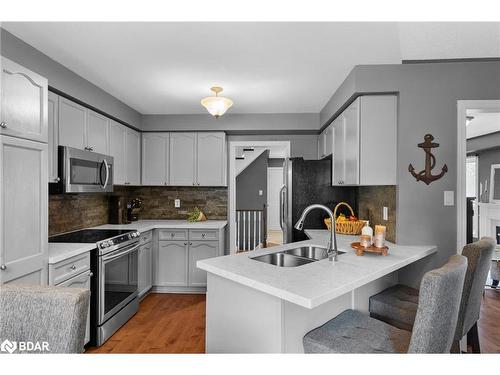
pixel 366 238
pixel 379 238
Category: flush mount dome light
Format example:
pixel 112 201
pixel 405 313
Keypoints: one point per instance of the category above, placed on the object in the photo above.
pixel 216 105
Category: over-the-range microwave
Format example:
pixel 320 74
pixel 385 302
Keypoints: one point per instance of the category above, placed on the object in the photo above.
pixel 83 172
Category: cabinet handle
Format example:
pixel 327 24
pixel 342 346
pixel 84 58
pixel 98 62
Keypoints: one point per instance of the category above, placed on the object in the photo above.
pixel 190 243
pixel 185 243
pixel 3 267
pixel 73 267
pixel 3 125
pixel 203 235
pixel 172 235
pixel 57 179
pixel 91 274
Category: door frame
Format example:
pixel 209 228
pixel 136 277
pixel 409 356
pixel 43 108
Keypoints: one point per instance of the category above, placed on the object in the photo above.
pixel 267 207
pixel 462 107
pixel 232 145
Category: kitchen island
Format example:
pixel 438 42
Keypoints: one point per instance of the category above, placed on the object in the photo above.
pixel 255 307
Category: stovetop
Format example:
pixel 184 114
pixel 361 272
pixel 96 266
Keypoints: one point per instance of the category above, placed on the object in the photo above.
pixel 90 235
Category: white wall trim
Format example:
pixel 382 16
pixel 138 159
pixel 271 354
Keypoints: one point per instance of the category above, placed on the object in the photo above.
pixel 462 107
pixel 232 181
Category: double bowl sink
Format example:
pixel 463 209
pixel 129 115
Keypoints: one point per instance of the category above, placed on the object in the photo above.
pixel 295 257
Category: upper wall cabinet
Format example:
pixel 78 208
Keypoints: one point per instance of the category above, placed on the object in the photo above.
pixel 365 141
pixel 325 142
pixel 211 159
pixel 125 148
pixel 23 102
pixel 155 158
pixel 182 155
pixel 82 128
pixel 132 157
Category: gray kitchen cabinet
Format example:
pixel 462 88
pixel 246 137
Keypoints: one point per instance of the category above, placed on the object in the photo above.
pixel 145 270
pixel 199 250
pixel 72 120
pixel 23 211
pixel 132 157
pixel 211 159
pixel 325 142
pixel 155 159
pixel 23 112
pixel 53 135
pixel 117 151
pixel 365 137
pixel 172 263
pixel 97 132
pixel 182 159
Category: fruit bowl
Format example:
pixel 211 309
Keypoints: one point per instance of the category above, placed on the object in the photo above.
pixel 344 225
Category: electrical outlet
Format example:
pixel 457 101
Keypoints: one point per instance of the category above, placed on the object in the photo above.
pixel 449 198
pixel 177 203
pixel 385 213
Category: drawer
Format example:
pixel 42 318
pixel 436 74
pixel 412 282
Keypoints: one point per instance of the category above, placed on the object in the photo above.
pixel 172 234
pixel 146 237
pixel 68 268
pixel 203 235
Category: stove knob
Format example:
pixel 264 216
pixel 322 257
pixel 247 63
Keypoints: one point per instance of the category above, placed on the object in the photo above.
pixel 110 243
pixel 104 244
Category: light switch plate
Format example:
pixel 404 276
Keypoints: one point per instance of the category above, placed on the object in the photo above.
pixel 449 198
pixel 385 213
pixel 177 203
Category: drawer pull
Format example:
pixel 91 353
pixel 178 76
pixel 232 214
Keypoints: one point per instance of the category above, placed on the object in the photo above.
pixel 3 125
pixel 203 235
pixel 172 234
pixel 185 243
pixel 3 267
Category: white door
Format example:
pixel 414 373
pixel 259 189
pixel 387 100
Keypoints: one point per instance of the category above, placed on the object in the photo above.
pixel 97 132
pixel 23 211
pixel 182 159
pixel 23 102
pixel 154 159
pixel 72 122
pixel 53 135
pixel 117 151
pixel 211 159
pixel 274 184
pixel 133 157
pixel 81 281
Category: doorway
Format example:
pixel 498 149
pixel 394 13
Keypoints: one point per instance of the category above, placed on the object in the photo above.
pixel 274 185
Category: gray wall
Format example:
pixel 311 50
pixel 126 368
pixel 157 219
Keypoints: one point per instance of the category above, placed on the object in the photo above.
pixel 301 145
pixel 427 103
pixel 233 122
pixel 64 79
pixel 249 182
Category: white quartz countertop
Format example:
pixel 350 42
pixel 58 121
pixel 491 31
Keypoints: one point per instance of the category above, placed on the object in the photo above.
pixel 61 251
pixel 313 284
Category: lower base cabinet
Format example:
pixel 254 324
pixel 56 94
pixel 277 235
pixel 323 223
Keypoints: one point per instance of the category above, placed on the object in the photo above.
pixel 175 260
pixel 145 277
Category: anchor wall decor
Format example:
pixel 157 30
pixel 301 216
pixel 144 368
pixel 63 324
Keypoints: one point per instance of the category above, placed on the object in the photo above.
pixel 430 162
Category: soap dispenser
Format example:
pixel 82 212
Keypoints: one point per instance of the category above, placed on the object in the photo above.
pixel 366 239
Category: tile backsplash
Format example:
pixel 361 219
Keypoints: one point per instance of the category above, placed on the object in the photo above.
pixel 371 200
pixel 69 212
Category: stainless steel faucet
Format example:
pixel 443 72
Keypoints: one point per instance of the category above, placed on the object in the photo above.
pixel 332 249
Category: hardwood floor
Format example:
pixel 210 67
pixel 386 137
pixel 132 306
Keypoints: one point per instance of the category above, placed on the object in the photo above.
pixel 175 323
pixel 165 323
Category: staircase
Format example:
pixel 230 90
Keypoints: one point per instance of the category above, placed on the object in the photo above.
pixel 245 156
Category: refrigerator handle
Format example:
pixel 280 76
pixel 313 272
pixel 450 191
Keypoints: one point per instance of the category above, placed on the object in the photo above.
pixel 282 206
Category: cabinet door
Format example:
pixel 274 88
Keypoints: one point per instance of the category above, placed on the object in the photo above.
pixel 53 135
pixel 328 140
pixel 171 265
pixel 338 162
pixel 154 159
pixel 133 157
pixel 81 281
pixel 321 145
pixel 97 132
pixel 211 159
pixel 23 211
pixel 182 159
pixel 117 151
pixel 199 250
pixel 351 148
pixel 23 102
pixel 72 122
pixel 145 280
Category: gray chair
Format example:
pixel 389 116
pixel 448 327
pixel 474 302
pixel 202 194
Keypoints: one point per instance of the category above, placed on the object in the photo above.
pixel 55 315
pixel 398 305
pixel 433 331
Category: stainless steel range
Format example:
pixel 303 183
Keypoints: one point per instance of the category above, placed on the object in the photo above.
pixel 114 289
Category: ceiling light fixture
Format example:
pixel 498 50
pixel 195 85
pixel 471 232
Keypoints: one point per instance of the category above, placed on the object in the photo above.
pixel 216 105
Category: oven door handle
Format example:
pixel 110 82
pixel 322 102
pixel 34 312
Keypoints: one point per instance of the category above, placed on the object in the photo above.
pixel 121 253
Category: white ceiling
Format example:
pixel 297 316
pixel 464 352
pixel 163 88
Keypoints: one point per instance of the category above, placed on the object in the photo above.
pixel 483 123
pixel 166 68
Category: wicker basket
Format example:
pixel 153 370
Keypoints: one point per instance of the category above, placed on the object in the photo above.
pixel 345 227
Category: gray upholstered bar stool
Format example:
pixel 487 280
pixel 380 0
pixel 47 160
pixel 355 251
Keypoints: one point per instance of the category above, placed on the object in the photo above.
pixel 435 322
pixel 398 304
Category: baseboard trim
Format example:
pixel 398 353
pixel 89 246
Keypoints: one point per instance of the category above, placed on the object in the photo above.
pixel 179 289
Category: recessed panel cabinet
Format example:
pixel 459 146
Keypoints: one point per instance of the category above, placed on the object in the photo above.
pixel 23 102
pixel 172 262
pixel 53 135
pixel 155 158
pixel 211 159
pixel 97 132
pixel 325 142
pixel 124 147
pixel 132 157
pixel 365 141
pixel 182 157
pixel 199 250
